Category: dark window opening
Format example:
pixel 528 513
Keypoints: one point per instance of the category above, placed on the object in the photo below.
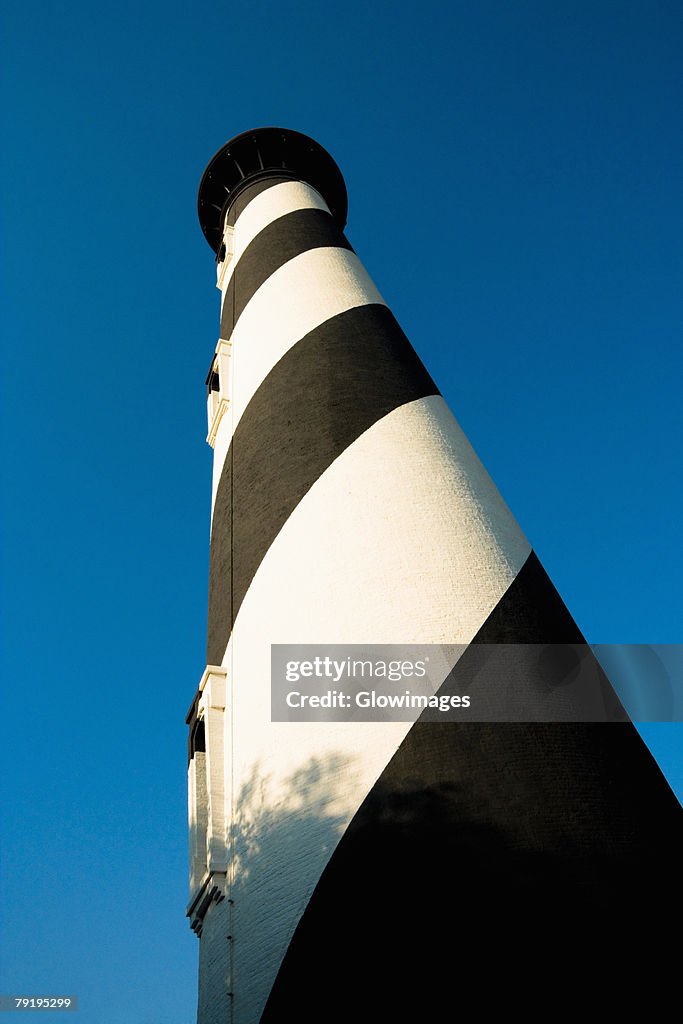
pixel 198 738
pixel 213 382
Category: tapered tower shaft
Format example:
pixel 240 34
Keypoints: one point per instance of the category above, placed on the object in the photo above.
pixel 349 508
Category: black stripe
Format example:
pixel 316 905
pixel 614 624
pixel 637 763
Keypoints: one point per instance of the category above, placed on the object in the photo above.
pixel 530 612
pixel 489 853
pixel 323 394
pixel 277 244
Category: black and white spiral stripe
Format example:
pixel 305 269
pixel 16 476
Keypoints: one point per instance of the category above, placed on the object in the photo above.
pixel 348 507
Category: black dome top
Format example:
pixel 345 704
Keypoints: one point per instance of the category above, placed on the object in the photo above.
pixel 262 153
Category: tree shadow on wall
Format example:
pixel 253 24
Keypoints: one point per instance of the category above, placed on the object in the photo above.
pixel 305 804
pixel 282 836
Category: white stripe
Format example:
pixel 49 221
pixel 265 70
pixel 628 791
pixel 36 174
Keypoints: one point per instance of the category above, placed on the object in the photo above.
pixel 274 202
pixel 403 539
pixel 297 298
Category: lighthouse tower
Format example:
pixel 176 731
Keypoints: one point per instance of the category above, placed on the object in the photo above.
pixel 348 870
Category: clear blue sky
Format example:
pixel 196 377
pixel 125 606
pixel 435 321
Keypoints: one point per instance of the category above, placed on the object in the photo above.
pixel 514 173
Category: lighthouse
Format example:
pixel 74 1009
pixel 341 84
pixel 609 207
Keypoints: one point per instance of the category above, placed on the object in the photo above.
pixel 351 869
